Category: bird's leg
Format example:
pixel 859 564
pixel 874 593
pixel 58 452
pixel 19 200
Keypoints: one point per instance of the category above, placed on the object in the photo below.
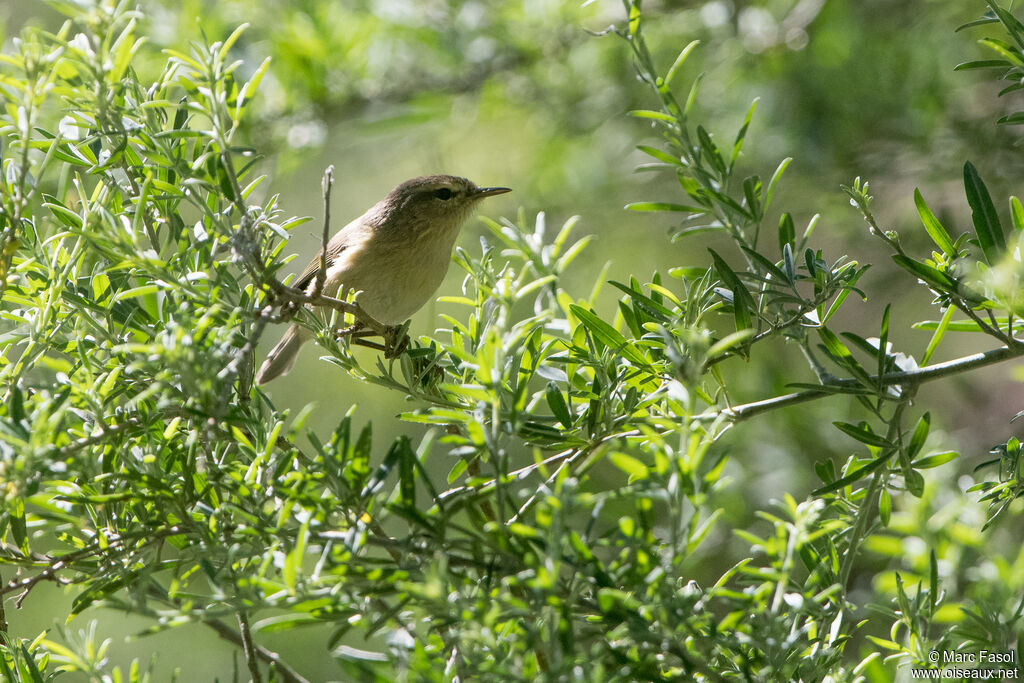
pixel 354 330
pixel 395 339
pixel 369 344
pixel 357 334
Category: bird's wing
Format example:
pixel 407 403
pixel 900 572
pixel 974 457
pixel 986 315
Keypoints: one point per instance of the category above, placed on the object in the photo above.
pixel 335 247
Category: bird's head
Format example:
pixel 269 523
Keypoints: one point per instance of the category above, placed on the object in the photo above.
pixel 431 203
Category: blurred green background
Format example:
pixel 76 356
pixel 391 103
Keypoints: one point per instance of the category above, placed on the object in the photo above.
pixel 525 93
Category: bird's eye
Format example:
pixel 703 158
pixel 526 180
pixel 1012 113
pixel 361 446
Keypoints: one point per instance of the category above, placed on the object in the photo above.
pixel 443 193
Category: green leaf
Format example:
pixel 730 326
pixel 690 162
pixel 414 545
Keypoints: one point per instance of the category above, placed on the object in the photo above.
pixel 406 471
pixel 457 470
pixel 854 476
pixel 742 302
pixel 935 460
pixel 659 155
pixel 920 434
pixel 914 483
pixel 862 434
pixel 838 351
pixel 767 265
pixel 31 666
pixel 608 335
pixel 931 276
pixel 683 54
pixel 933 579
pixel 664 206
pixel 883 339
pixel 940 332
pixel 958 325
pixel 710 150
pixel 728 341
pixel 932 225
pixel 1017 214
pixel 752 193
pixel 630 465
pixel 392 458
pixel 558 406
pixel 523 530
pixel 787 232
pixel 135 292
pixel 644 303
pixel 788 263
pixel 691 97
pixel 981 64
pixel 1014 119
pixel 1004 49
pixel 989 18
pixel 19 529
pixel 742 134
pixel 1015 28
pixel 774 180
pixel 986 220
pixel 654 115
pixel 841 297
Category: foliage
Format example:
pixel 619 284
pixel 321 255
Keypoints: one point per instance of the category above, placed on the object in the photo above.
pixel 547 521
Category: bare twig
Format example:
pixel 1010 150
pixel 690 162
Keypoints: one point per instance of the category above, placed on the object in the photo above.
pixel 286 673
pixel 104 433
pixel 567 456
pixel 251 658
pixel 925 374
pixel 49 573
pixel 869 504
pixel 321 275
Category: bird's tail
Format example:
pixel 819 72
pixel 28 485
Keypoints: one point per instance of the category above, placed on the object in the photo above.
pixel 281 358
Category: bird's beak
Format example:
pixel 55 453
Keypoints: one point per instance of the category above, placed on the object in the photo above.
pixel 491 191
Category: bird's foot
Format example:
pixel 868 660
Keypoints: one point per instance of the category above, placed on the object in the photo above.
pixel 395 340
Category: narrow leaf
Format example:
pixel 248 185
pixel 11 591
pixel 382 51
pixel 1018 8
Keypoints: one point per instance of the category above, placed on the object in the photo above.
pixel 679 61
pixel 986 220
pixel 981 64
pixel 920 434
pixel 608 335
pixel 931 276
pixel 861 434
pixel 557 404
pixel 1017 214
pixel 940 332
pixel 743 302
pixel 663 206
pixel 787 232
pixel 938 233
pixel 854 476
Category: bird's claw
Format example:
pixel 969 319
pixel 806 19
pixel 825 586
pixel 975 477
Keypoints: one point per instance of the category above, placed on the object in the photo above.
pixel 395 339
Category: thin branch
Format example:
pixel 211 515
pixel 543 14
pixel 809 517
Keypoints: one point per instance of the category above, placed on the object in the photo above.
pixel 869 504
pixel 286 673
pixel 926 374
pixel 954 297
pixel 3 619
pixel 297 296
pixel 569 455
pixel 105 433
pixel 248 647
pixel 56 564
pixel 321 275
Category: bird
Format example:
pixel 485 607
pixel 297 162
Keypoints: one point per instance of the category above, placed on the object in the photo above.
pixel 395 255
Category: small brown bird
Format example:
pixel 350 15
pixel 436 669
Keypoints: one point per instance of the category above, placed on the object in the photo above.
pixel 396 255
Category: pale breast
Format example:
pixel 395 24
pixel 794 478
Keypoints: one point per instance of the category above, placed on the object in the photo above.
pixel 396 278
